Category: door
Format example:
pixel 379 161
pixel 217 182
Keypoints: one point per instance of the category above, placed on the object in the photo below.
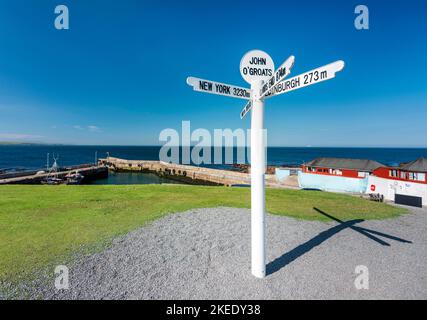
pixel 391 192
pixel 408 200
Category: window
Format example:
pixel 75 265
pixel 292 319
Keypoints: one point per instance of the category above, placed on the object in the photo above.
pixel 402 175
pixel 393 173
pixel 415 176
pixel 361 174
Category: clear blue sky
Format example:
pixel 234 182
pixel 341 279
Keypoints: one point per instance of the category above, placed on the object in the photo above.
pixel 118 75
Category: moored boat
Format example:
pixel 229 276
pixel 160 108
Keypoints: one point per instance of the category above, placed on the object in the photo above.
pixel 74 178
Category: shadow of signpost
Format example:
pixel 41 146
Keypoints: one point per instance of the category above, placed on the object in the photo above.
pixel 297 252
pixel 366 232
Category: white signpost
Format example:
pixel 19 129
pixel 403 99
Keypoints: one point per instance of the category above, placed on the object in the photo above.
pixel 257 68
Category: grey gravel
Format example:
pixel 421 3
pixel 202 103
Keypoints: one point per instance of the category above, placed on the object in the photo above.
pixel 205 254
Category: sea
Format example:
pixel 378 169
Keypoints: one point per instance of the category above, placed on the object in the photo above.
pixel 22 157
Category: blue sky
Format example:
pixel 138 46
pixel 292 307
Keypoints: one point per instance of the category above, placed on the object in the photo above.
pixel 118 75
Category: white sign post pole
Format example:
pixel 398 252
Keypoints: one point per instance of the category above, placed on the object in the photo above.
pixel 257 67
pixel 258 160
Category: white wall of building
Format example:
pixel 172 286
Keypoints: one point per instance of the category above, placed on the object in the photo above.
pixel 389 188
pixel 332 183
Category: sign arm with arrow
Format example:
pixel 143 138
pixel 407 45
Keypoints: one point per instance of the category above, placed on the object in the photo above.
pixel 308 78
pixel 219 88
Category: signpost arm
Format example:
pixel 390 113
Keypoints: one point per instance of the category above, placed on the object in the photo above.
pixel 258 161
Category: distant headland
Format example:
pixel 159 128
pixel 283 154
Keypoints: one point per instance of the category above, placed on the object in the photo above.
pixel 9 143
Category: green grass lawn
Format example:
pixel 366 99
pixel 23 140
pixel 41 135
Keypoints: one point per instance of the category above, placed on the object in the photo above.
pixel 43 225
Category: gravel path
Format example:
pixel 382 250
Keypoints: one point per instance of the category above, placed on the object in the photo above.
pixel 205 254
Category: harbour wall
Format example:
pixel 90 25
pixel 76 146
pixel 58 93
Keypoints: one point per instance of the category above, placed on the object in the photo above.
pixel 189 174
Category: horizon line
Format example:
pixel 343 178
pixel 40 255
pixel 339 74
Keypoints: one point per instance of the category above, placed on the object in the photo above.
pixel 11 143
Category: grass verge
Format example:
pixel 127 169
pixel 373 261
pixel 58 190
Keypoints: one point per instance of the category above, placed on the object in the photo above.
pixel 42 225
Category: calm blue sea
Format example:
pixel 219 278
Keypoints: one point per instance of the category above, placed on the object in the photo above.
pixel 34 156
